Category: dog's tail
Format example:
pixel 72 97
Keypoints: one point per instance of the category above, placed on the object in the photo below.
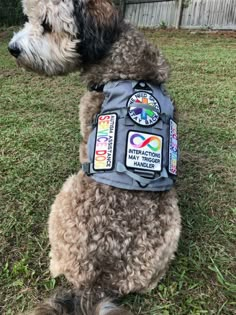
pixel 78 303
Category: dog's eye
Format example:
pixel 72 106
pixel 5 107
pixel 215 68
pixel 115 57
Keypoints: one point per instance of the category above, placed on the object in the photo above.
pixel 46 27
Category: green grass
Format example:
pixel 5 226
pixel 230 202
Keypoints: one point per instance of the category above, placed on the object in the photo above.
pixel 39 146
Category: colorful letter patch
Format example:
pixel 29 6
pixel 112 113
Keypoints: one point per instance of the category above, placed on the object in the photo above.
pixel 104 143
pixel 173 148
pixel 144 151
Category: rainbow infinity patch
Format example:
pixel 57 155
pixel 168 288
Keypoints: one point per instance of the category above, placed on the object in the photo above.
pixel 144 151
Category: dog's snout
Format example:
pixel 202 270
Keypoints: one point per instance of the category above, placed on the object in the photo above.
pixel 14 50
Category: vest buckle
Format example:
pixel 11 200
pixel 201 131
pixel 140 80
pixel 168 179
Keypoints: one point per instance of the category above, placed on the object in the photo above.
pixel 86 168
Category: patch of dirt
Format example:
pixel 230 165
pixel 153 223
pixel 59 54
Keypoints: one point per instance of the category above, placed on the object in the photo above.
pixel 224 33
pixel 228 34
pixel 4 34
pixel 10 72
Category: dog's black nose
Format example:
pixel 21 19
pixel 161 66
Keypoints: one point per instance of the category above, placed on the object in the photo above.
pixel 14 50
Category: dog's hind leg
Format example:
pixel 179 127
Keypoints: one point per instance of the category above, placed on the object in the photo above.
pixel 68 233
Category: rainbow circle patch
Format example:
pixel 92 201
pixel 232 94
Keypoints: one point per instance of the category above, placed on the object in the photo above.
pixel 143 108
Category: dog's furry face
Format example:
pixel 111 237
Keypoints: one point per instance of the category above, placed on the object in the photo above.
pixel 62 35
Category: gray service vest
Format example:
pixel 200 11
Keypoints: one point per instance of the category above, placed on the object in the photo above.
pixel 133 144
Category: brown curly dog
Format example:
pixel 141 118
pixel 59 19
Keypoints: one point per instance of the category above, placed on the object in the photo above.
pixel 106 241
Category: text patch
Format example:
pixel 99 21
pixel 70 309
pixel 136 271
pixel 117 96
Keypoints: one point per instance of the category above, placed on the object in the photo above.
pixel 104 143
pixel 144 151
pixel 173 148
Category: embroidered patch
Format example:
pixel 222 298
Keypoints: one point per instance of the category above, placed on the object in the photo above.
pixel 173 148
pixel 144 151
pixel 143 108
pixel 104 142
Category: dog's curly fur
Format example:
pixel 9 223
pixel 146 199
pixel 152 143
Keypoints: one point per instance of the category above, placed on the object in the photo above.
pixel 103 239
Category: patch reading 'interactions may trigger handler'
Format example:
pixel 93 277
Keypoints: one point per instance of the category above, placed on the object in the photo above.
pixel 144 151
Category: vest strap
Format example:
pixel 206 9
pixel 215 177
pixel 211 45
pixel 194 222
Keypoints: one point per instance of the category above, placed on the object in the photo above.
pixel 165 118
pixel 86 168
pixel 123 113
pixel 120 168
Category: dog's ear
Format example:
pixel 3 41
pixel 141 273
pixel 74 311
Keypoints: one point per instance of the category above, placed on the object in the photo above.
pixel 99 26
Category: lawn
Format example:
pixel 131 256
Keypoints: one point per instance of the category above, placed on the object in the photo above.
pixel 39 146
